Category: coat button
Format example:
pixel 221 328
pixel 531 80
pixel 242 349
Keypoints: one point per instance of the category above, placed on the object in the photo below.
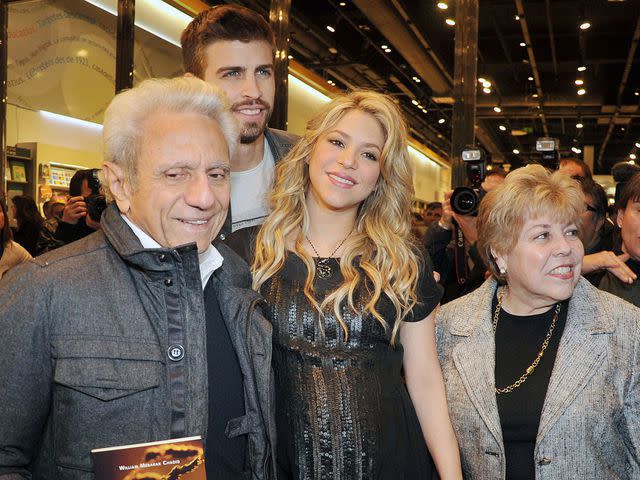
pixel 168 282
pixel 544 461
pixel 175 352
pixel 222 236
pixel 162 257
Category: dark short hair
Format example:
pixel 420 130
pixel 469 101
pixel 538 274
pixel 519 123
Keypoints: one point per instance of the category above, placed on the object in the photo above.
pixel 75 184
pixel 498 171
pixel 434 205
pixel 630 192
pixel 5 234
pixel 598 195
pixel 585 168
pixel 222 22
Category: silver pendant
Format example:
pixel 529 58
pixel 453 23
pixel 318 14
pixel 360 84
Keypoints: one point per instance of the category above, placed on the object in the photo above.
pixel 322 269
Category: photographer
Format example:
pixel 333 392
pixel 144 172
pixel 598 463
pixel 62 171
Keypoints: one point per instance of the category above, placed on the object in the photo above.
pixel 440 245
pixel 81 215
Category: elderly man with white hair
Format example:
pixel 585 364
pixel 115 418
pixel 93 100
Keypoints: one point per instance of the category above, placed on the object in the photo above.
pixel 143 331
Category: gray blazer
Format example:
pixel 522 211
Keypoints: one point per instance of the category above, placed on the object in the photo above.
pixel 590 423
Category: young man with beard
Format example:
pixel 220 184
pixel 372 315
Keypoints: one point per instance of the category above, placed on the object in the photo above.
pixel 232 47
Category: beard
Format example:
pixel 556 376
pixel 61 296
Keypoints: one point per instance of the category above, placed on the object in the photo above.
pixel 251 131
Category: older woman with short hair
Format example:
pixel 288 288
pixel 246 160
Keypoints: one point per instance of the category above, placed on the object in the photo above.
pixel 541 368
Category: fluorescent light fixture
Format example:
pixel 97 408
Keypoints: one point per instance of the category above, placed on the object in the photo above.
pixel 450 21
pixel 72 122
pixel 330 28
pixel 516 151
pixel 502 128
pixel 308 89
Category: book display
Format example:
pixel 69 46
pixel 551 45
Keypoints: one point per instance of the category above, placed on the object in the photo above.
pixel 19 177
pixel 178 459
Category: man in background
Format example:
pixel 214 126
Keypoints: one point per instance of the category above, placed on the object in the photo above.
pixel 232 48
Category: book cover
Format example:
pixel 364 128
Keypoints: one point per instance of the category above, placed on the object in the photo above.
pixel 178 459
pixel 18 173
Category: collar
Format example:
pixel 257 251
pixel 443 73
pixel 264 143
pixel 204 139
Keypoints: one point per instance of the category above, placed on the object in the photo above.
pixel 210 260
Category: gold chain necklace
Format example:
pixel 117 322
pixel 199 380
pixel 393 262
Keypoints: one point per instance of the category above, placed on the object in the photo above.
pixel 536 361
pixel 323 269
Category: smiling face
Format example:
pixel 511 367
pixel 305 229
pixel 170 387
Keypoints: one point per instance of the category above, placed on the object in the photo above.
pixel 344 165
pixel 181 192
pixel 544 266
pixel 244 71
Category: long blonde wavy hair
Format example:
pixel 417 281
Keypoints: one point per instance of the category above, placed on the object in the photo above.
pixel 382 227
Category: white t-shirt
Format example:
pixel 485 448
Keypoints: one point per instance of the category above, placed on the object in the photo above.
pixel 249 190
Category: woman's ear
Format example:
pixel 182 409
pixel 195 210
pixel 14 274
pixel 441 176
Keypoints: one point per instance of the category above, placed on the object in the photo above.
pixel 501 260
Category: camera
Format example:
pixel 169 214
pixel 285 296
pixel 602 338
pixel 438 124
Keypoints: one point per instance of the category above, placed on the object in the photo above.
pixel 96 202
pixel 465 200
pixel 547 147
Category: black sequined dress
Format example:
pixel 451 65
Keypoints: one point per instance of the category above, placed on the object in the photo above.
pixel 342 409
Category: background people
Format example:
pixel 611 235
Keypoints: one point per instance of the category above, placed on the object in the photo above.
pixel 232 47
pixel 541 367
pixel 11 253
pixel 143 331
pixel 346 294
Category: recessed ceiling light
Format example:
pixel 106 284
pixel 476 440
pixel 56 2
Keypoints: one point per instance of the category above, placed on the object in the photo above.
pixel 450 21
pixel 582 91
pixel 576 150
pixel 579 125
pixel 486 84
pixel 530 79
pixel 497 109
pixel 579 81
pixel 486 90
pixel 330 28
pixel 416 79
pixel 522 44
pixel 415 102
pixel 481 80
pixel 388 50
pixel 424 110
pixel 637 144
pixel 441 121
pixel 582 68
pixel 637 93
pixel 516 151
pixel 535 95
pixel 384 47
pixel 442 6
pixel 632 156
pixel 517 17
pixel 585 25
pixel 502 128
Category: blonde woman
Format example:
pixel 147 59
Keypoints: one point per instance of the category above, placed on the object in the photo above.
pixel 351 305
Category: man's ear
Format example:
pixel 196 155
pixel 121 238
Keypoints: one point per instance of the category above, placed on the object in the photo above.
pixel 118 185
pixel 619 215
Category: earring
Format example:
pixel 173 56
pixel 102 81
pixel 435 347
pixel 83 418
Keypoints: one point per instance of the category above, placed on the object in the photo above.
pixel 503 271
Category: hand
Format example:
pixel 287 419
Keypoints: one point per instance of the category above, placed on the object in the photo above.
pixel 467 224
pixel 447 214
pixel 74 210
pixel 612 263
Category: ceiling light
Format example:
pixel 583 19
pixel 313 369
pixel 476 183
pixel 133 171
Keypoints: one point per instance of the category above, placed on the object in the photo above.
pixel 388 50
pixel 486 84
pixel 530 79
pixel 416 79
pixel 333 50
pixel 517 17
pixel 522 44
pixel 481 80
pixel 585 25
pixel 450 21
pixel 582 91
pixel 342 4
pixel 486 90
pixel 576 150
pixel 582 68
pixel 290 57
pixel 632 156
pixel 384 47
pixel 82 52
pixel 441 121
pixel 442 6
pixel 497 109
pixel 637 144
pixel 424 110
pixel 631 162
pixel 516 151
pixel 579 125
pixel 415 102
pixel 637 93
pixel 330 28
pixel 502 128
pixel 579 81
pixel 535 95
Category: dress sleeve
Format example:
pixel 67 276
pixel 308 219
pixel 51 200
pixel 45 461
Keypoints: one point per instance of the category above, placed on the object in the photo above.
pixel 428 292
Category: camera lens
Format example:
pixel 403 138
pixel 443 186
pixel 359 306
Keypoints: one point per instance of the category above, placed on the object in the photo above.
pixel 464 201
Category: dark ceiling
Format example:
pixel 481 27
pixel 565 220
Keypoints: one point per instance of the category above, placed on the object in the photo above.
pixel 422 46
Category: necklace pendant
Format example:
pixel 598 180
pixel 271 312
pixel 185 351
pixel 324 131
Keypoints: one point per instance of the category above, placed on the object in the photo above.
pixel 323 270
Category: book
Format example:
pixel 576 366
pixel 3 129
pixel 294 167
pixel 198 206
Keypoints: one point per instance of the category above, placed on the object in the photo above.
pixel 177 459
pixel 18 173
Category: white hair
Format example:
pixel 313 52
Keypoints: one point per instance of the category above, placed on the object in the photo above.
pixel 127 112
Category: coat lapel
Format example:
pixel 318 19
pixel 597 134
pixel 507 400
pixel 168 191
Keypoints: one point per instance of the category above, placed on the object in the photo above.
pixel 474 357
pixel 580 354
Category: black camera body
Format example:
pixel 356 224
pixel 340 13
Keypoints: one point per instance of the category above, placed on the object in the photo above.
pixel 548 148
pixel 466 200
pixel 96 202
